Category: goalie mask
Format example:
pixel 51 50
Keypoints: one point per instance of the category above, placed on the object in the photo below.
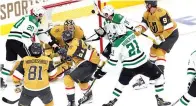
pixel 69 25
pixel 114 31
pixel 67 36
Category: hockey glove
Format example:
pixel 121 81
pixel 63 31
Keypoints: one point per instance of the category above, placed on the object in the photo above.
pixel 62 52
pixel 138 30
pixel 100 32
pixel 99 74
pixel 157 40
pixel 18 88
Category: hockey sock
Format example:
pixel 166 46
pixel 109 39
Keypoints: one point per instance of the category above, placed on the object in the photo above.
pixel 118 90
pixel 70 94
pixel 185 99
pixel 159 86
pixel 160 62
pixel 153 58
pixel 84 87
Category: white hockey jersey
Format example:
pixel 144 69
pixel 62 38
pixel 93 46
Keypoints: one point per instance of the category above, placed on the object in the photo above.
pixel 25 29
pixel 126 50
pixel 191 70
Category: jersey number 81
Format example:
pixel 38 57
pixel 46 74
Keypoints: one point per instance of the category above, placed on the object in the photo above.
pixel 32 75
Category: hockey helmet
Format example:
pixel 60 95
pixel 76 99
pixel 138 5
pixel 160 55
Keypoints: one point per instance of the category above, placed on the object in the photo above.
pixel 108 10
pixel 35 49
pixel 38 12
pixel 114 31
pixel 67 36
pixel 153 3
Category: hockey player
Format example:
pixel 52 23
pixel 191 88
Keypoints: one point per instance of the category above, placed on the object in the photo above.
pixel 21 36
pixel 86 60
pixel 125 48
pixel 35 70
pixel 55 33
pixel 163 27
pixel 111 16
pixel 191 74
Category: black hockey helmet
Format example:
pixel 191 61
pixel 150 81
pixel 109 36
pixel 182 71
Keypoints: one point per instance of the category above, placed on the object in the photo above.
pixel 67 36
pixel 35 49
pixel 152 2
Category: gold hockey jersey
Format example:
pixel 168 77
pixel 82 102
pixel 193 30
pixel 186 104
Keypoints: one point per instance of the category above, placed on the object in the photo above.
pixel 160 23
pixel 35 72
pixel 80 51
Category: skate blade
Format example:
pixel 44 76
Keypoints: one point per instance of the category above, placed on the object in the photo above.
pixel 88 102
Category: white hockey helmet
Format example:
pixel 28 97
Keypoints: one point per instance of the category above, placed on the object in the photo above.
pixel 115 30
pixel 107 10
pixel 38 11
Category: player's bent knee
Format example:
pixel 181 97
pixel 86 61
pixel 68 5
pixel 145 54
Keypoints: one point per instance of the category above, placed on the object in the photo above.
pixel 160 80
pixel 68 81
pixel 50 104
pixel 192 89
pixel 83 85
pixel 126 76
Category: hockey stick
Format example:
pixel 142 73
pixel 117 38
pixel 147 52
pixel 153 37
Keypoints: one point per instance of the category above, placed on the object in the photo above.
pixel 85 94
pixel 101 15
pixel 9 101
pixel 92 40
pixel 152 39
pixel 91 36
pixel 13 102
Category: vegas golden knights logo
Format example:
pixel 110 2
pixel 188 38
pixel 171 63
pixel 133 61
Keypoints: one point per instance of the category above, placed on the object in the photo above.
pixel 154 27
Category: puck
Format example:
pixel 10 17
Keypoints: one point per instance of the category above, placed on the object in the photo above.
pixel 93 11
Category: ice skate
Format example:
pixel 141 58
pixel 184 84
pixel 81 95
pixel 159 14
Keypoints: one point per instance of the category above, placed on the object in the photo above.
pixel 140 84
pixel 161 102
pixel 71 103
pixel 86 98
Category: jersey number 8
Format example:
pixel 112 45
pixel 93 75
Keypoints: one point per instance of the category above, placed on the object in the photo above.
pixel 32 75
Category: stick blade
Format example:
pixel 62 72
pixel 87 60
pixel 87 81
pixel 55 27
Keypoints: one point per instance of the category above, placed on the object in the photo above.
pixel 8 101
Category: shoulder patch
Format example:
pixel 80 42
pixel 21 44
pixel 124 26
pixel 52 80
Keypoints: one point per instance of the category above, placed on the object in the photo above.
pixel 33 20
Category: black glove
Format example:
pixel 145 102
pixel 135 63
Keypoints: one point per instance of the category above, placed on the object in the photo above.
pixel 100 32
pixel 99 74
pixel 62 52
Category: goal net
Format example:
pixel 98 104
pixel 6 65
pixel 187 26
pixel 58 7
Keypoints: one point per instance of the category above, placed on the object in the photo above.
pixel 56 6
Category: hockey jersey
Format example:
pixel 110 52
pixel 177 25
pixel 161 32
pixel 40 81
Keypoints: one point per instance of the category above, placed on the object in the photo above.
pixel 160 23
pixel 127 50
pixel 24 29
pixel 35 72
pixel 81 51
pixel 191 70
pixel 119 19
pixel 57 31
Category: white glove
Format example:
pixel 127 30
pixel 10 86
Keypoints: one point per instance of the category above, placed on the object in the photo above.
pixel 18 88
pixel 100 32
pixel 138 30
pixel 157 40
